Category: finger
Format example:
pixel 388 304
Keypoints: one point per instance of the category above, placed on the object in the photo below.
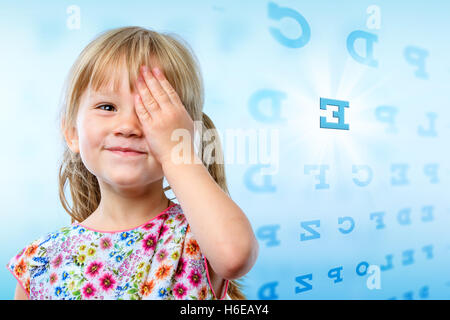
pixel 155 88
pixel 167 87
pixel 141 111
pixel 147 98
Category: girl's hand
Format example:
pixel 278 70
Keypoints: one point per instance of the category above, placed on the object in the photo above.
pixel 161 111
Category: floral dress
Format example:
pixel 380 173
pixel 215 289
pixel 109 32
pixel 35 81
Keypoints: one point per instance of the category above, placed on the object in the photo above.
pixel 160 259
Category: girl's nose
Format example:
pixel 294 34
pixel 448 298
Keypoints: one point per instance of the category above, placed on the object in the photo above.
pixel 128 124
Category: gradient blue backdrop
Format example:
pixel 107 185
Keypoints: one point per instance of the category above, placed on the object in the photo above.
pixel 398 129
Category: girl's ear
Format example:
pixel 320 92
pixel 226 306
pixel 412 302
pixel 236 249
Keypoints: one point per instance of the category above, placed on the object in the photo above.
pixel 71 136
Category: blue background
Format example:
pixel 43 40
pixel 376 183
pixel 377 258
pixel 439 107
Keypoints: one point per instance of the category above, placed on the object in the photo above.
pixel 398 127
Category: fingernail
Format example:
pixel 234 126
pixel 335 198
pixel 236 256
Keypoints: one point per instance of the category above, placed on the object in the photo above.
pixel 144 69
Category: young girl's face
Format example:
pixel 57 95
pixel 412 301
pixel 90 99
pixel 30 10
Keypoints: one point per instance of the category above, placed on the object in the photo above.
pixel 106 120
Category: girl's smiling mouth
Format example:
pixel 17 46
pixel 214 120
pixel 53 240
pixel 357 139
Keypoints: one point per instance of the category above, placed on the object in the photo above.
pixel 127 153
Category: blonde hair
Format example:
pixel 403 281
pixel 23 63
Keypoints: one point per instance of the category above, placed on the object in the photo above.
pixel 90 70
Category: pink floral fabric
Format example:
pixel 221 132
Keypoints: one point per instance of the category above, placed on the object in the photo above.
pixel 157 260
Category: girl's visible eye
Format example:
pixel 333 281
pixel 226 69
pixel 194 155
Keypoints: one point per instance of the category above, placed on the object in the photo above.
pixel 105 105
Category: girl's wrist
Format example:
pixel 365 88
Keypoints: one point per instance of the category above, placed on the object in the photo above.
pixel 188 159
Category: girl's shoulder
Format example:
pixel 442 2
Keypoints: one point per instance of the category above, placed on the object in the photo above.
pixel 40 246
pixel 34 258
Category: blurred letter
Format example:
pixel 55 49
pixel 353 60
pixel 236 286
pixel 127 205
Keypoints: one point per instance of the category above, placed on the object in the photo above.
pixel 370 39
pixel 277 13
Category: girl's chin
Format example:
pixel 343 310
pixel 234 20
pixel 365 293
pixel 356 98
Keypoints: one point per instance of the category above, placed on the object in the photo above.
pixel 129 187
pixel 131 180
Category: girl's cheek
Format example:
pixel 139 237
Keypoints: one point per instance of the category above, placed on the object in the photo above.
pixel 91 134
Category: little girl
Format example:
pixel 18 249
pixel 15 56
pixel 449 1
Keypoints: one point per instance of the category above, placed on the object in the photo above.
pixel 129 90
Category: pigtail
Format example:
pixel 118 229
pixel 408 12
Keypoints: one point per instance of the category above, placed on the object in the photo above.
pixel 84 188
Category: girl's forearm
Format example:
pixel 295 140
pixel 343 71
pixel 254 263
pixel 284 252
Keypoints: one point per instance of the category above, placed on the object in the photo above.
pixel 220 227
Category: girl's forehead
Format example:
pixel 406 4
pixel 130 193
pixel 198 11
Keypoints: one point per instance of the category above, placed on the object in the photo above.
pixel 115 72
pixel 112 84
pixel 116 77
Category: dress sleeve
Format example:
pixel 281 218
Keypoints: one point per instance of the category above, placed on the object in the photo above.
pixel 191 248
pixel 20 265
pixel 224 294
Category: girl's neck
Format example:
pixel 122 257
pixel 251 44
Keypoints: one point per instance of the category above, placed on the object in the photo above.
pixel 126 215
